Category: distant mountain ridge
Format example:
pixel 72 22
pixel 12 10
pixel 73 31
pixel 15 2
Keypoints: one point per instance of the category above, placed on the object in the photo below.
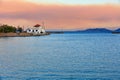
pixel 91 30
pixel 96 30
pixel 117 30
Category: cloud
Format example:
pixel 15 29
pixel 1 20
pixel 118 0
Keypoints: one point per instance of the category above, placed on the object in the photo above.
pixel 59 16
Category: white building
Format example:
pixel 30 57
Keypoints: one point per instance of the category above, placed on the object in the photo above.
pixel 36 30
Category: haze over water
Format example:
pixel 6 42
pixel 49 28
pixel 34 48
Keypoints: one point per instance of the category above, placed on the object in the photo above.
pixel 61 57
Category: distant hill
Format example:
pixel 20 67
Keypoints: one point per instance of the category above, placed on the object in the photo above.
pixel 116 31
pixel 94 30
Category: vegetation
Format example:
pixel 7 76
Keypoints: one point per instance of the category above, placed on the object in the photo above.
pixel 19 30
pixel 8 29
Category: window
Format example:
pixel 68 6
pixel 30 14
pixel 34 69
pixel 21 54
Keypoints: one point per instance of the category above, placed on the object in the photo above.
pixel 32 30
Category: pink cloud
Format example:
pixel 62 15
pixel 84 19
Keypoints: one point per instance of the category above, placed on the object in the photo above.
pixel 60 16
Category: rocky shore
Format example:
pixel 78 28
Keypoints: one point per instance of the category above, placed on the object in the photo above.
pixel 20 34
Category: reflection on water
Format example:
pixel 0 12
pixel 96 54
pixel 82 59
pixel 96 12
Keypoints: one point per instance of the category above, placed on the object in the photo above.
pixel 60 57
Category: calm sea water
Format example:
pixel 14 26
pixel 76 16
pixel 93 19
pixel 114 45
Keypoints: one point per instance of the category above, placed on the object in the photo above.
pixel 61 57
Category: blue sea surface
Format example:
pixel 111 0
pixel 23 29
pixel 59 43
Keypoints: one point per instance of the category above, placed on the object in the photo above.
pixel 61 57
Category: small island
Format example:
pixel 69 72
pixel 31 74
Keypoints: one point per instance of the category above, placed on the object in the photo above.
pixel 11 31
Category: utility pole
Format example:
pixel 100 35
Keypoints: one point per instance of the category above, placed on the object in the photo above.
pixel 23 28
pixel 43 25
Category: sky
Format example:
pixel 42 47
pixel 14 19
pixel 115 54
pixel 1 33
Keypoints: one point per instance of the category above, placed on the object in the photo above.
pixel 61 14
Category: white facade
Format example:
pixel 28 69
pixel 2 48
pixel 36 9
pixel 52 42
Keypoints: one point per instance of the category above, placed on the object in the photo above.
pixel 36 30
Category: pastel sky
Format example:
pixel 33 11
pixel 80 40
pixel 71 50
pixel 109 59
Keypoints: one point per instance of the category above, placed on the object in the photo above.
pixel 61 14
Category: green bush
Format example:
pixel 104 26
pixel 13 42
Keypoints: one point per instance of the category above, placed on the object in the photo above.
pixel 7 29
pixel 19 29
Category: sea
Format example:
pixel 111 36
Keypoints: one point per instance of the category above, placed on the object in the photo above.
pixel 68 56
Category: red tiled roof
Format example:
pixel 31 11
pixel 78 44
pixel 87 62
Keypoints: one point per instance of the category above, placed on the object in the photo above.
pixel 37 25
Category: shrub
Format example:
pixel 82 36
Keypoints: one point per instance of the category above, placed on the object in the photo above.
pixel 7 29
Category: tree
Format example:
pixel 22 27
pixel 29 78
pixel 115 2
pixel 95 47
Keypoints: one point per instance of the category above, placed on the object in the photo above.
pixel 7 29
pixel 19 29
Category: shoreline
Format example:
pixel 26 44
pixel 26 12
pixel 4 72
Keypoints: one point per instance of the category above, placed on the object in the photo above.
pixel 20 34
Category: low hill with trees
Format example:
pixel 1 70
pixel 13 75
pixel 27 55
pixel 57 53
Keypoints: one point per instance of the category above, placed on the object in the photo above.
pixel 7 29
